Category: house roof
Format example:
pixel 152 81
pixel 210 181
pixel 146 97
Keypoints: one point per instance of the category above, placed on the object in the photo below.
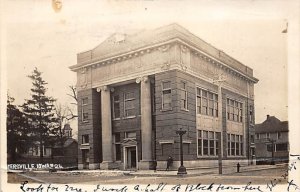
pixel 67 143
pixel 67 127
pixel 118 44
pixel 271 124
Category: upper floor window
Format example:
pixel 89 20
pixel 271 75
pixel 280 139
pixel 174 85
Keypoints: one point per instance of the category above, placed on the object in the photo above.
pixel 234 110
pixel 251 116
pixel 257 135
pixel 183 96
pixel 116 107
pixel 129 100
pixel 84 109
pixel 85 139
pixel 268 135
pixel 207 103
pixel 166 95
pixel 279 136
pixel 131 135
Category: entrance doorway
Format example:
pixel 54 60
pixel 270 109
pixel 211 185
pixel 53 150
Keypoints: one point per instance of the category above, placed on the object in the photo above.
pixel 131 158
pixel 85 159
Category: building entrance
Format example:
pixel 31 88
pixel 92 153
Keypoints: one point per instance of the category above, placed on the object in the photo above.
pixel 85 159
pixel 131 158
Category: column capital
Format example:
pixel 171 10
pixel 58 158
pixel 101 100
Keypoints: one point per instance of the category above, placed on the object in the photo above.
pixel 143 78
pixel 105 88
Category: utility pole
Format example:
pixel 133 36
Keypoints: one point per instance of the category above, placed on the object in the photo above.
pixel 219 82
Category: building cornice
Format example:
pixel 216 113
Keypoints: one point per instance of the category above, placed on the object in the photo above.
pixel 164 45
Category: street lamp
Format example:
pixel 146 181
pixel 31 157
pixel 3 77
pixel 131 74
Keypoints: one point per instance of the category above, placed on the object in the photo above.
pixel 181 169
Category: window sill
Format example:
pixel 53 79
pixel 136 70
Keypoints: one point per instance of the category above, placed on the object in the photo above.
pixel 215 117
pixel 206 157
pixel 116 119
pixel 235 121
pixel 130 117
pixel 86 121
pixel 185 110
pixel 85 144
pixel 163 110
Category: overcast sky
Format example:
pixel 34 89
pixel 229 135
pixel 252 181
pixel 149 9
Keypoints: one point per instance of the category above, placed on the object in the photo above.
pixel 249 31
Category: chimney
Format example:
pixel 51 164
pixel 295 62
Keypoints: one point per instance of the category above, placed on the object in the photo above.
pixel 268 116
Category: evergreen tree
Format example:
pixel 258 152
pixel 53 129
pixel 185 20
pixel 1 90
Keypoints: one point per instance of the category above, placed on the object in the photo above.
pixel 17 131
pixel 41 112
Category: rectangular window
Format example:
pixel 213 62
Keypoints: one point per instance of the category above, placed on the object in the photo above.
pixel 207 143
pixel 166 95
pixel 207 103
pixel 232 139
pixel 116 107
pixel 129 100
pixel 117 139
pixel 251 119
pixel 85 139
pixel 234 110
pixel 183 96
pixel 84 110
pixel 235 145
pixel 279 135
pixel 131 135
pixel 281 147
pixel 199 142
pixel 257 136
pixel 268 135
pixel 228 144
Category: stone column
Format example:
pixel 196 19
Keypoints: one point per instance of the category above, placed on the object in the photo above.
pixel 107 154
pixel 146 122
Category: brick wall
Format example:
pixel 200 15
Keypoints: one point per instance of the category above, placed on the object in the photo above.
pixel 92 126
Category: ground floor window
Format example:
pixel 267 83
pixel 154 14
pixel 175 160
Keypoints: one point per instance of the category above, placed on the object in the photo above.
pixel 235 145
pixel 207 143
pixel 117 141
pixel 281 147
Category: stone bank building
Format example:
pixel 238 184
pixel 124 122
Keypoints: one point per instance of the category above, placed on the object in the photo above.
pixel 136 90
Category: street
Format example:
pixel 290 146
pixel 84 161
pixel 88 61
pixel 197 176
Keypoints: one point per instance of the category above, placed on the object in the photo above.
pixel 256 176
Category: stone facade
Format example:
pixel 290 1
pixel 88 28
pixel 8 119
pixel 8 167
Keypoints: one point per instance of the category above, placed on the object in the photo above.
pixel 135 92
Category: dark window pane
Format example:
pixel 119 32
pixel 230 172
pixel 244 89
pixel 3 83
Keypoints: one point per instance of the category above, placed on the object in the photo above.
pixel 118 152
pixel 205 147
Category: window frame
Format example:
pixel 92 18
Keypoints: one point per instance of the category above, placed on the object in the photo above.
pixel 131 99
pixel 235 145
pixel 84 110
pixel 164 92
pixel 234 109
pixel 85 139
pixel 206 105
pixel 183 96
pixel 202 139
pixel 117 144
pixel 116 102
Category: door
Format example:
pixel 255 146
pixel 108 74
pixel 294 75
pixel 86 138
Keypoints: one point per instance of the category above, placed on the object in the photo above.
pixel 85 159
pixel 131 157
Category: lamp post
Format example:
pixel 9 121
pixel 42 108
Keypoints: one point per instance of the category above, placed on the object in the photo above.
pixel 181 169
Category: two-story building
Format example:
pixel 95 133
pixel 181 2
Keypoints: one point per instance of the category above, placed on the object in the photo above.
pixel 136 90
pixel 272 141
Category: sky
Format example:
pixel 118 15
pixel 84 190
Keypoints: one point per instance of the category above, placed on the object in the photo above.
pixel 249 31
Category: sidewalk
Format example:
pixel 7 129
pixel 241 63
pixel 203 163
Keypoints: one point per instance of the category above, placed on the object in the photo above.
pixel 162 173
pixel 204 171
